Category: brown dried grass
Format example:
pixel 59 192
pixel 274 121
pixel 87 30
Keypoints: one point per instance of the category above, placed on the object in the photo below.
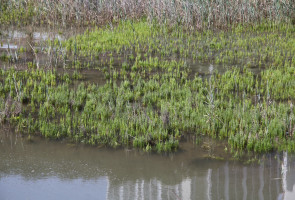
pixel 190 13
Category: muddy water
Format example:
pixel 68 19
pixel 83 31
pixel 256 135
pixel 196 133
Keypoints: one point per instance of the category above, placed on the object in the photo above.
pixel 19 44
pixel 42 169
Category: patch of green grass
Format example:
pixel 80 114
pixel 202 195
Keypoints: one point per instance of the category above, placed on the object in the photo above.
pixel 154 114
pixel 151 97
pixel 260 46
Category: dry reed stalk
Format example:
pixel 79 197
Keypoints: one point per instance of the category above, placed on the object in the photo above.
pixel 190 13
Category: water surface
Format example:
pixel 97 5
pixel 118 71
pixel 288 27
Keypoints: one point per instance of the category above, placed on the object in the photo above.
pixel 43 169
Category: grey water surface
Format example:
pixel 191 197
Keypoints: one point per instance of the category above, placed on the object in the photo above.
pixel 44 169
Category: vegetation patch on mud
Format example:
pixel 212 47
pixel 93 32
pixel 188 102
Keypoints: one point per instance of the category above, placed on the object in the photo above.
pixel 152 94
pixel 151 102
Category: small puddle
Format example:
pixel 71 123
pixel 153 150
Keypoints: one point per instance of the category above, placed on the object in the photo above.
pixel 8 46
pixel 39 35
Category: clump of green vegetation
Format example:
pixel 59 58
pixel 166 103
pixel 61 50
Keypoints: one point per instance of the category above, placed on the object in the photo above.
pixel 2 106
pixel 152 97
pixel 4 57
pixel 17 12
pixel 259 46
pixel 155 112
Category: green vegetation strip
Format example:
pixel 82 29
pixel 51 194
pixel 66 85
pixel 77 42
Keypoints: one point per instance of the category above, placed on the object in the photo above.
pixel 255 46
pixel 150 101
pixel 154 114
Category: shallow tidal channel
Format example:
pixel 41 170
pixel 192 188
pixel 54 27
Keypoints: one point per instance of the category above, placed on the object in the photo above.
pixel 38 168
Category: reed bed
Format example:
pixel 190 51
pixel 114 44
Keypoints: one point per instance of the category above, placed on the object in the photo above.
pixel 189 13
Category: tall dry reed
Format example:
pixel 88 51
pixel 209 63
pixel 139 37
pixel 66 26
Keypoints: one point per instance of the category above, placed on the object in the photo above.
pixel 190 13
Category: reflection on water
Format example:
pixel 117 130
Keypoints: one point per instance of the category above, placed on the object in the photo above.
pixel 46 169
pixel 39 34
pixel 18 187
pixel 8 46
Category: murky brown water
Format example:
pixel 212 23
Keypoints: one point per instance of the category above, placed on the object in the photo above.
pixel 42 169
